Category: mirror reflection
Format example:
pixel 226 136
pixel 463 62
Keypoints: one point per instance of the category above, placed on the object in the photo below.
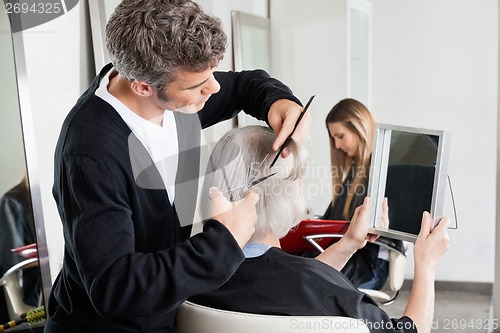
pixel 410 179
pixel 20 279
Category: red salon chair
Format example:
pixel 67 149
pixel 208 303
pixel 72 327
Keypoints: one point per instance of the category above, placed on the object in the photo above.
pixel 317 235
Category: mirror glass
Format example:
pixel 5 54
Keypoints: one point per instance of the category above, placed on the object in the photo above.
pixel 250 41
pixel 19 269
pixel 251 50
pixel 409 169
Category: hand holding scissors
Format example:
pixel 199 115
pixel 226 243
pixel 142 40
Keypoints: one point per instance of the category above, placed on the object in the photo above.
pixel 238 217
pixel 252 181
pixel 245 187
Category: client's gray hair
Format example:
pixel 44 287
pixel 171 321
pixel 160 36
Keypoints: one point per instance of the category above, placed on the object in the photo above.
pixel 237 156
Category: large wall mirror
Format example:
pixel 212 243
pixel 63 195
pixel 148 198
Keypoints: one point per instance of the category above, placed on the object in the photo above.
pixel 251 50
pixel 24 269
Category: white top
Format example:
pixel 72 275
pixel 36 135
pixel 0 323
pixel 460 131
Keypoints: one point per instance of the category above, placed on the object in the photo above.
pixel 383 253
pixel 160 141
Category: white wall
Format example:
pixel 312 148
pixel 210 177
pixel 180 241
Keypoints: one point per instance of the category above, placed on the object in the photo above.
pixel 435 66
pixel 308 53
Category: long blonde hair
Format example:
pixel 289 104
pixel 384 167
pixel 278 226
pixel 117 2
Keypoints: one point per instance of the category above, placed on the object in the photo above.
pixel 357 119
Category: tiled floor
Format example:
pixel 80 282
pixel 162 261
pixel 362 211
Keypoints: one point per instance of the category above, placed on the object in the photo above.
pixel 455 311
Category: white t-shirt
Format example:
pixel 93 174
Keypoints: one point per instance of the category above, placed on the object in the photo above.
pixel 160 141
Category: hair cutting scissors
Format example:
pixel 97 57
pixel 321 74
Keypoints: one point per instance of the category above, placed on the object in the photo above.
pixel 244 188
pixel 252 181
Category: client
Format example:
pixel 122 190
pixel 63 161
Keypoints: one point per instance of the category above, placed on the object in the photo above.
pixel 271 281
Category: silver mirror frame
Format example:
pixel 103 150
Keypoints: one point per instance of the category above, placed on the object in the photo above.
pixel 378 176
pixel 98 20
pixel 31 161
pixel 99 12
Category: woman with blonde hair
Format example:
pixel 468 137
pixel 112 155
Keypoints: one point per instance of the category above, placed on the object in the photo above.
pixel 351 130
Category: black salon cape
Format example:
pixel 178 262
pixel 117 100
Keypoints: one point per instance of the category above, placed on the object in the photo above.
pixel 127 263
pixel 279 283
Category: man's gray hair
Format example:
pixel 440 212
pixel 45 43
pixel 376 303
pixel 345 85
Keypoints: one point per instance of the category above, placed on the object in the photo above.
pixel 237 156
pixel 150 40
